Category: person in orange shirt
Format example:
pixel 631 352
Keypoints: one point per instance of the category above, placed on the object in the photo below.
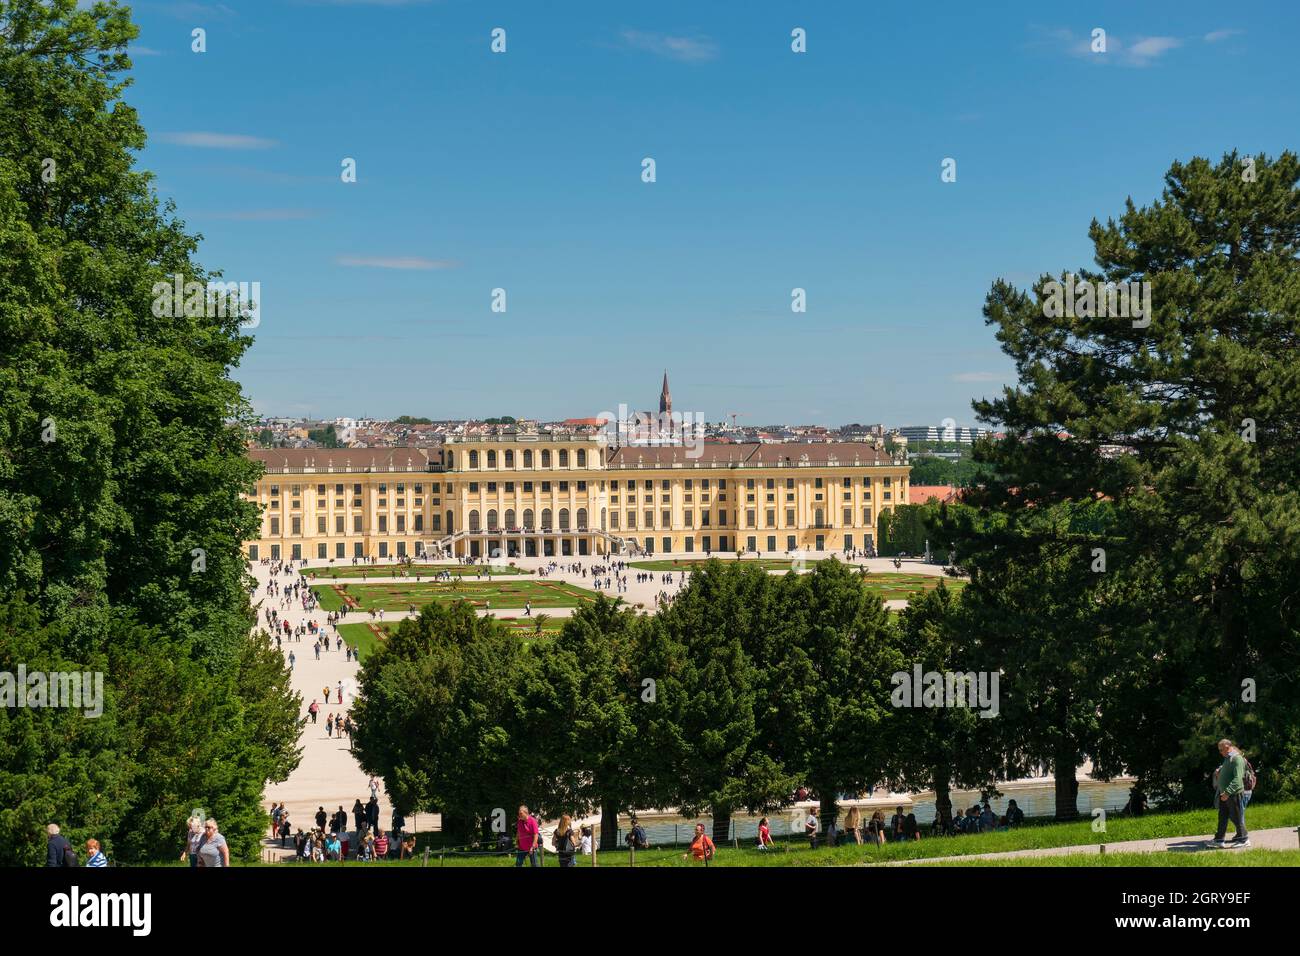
pixel 702 847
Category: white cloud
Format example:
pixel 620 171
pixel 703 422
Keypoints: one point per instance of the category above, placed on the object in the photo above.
pixel 1214 36
pixel 687 49
pixel 207 140
pixel 1148 48
pixel 395 262
pixel 1141 52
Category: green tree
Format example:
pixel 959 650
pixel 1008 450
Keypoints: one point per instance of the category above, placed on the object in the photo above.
pixel 587 735
pixel 702 744
pixel 937 748
pixel 1184 419
pixel 442 716
pixel 122 434
pixel 826 659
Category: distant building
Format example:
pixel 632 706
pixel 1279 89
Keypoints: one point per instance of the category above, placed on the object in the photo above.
pixel 945 431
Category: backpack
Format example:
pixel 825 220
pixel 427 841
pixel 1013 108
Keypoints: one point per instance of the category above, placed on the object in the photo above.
pixel 1248 778
pixel 564 844
pixel 70 857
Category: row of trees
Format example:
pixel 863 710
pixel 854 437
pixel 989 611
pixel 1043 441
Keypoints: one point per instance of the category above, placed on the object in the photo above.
pixel 121 464
pixel 745 687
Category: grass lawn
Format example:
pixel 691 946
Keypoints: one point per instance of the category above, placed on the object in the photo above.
pixel 1251 857
pixel 399 596
pixel 397 570
pixel 1034 835
pixel 362 638
pixel 891 586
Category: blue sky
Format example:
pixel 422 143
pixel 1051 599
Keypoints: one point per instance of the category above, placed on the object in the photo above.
pixel 775 170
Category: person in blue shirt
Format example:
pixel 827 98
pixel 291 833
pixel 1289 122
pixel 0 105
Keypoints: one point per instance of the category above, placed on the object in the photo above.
pixel 94 855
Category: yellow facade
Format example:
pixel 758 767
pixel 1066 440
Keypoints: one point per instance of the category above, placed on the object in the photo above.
pixel 531 495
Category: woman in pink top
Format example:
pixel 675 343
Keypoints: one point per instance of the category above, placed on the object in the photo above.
pixel 526 836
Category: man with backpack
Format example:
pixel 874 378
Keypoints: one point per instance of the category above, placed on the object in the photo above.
pixel 58 851
pixel 636 838
pixel 1229 785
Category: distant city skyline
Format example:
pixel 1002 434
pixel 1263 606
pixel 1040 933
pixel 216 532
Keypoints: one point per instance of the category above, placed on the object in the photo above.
pixel 775 171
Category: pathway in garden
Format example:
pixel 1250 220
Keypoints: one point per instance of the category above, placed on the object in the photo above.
pixel 1278 838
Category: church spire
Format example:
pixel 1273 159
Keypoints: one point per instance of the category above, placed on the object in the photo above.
pixel 665 399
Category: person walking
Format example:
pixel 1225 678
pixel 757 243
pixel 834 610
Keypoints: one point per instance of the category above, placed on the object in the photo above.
pixel 213 851
pixel 853 824
pixel 58 851
pixel 320 818
pixel 1230 783
pixel 563 842
pixel 314 710
pixel 526 836
pixel 702 848
pixel 192 841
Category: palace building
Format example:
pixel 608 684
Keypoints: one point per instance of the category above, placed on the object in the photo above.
pixel 542 495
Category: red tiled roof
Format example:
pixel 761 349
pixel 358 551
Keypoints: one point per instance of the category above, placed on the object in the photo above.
pixel 920 494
